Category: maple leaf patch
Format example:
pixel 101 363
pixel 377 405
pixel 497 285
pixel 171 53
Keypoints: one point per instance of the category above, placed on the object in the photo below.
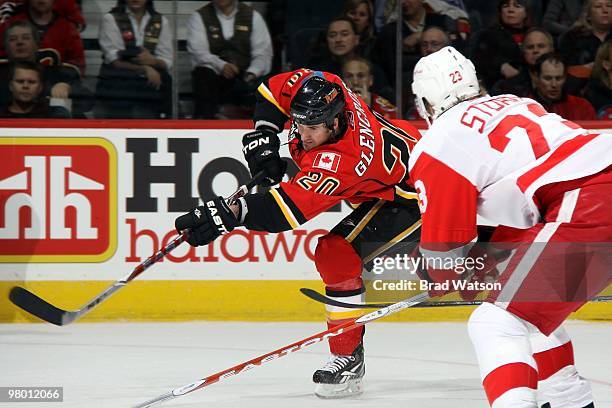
pixel 327 161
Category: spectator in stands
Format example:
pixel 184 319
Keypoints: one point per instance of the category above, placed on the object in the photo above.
pixel 599 88
pixel 560 15
pixel 357 73
pixel 136 42
pixel 579 45
pixel 537 42
pixel 385 11
pixel 65 8
pixel 432 40
pixel 342 41
pixel 231 51
pixel 55 31
pixel 26 87
pixel 61 81
pixel 362 14
pixel 416 16
pixel 551 75
pixel 496 50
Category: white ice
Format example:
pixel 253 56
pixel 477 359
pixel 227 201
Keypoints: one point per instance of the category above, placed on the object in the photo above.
pixel 424 365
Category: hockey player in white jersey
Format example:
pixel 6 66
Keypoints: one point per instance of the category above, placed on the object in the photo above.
pixel 538 178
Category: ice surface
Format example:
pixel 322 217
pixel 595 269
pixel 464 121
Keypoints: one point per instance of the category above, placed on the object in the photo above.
pixel 422 365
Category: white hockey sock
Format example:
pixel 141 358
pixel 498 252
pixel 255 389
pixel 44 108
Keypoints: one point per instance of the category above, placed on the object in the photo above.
pixel 559 383
pixel 507 368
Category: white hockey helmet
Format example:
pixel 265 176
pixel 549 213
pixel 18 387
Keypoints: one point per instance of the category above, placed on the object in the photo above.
pixel 443 79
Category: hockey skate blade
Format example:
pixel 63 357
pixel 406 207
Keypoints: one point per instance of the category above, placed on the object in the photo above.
pixel 351 388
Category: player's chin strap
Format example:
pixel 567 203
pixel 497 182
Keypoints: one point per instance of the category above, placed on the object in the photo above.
pixel 342 127
pixel 420 104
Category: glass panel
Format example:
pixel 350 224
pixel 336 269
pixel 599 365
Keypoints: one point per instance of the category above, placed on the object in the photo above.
pixel 152 58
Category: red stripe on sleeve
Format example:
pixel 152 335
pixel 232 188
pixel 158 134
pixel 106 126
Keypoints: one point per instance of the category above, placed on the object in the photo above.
pixel 561 153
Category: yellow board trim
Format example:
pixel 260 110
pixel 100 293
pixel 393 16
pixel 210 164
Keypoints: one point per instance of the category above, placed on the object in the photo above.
pixel 266 93
pixel 113 181
pixel 346 315
pixel 284 208
pixel 260 300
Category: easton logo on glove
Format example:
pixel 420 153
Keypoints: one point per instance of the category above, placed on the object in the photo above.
pixel 207 222
pixel 254 144
pixel 260 149
pixel 214 213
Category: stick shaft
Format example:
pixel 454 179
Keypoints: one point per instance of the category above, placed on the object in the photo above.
pixel 321 298
pixel 153 259
pixel 286 350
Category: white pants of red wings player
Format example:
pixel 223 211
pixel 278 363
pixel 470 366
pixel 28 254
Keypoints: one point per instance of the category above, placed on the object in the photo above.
pixel 525 357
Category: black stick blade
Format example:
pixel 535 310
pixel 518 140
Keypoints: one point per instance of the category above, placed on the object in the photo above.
pixel 38 307
pixel 318 297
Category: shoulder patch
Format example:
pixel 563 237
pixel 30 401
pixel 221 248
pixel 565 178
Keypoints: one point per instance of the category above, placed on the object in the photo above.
pixel 327 161
pixel 350 116
pixel 385 103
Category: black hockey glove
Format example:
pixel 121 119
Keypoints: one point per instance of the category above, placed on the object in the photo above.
pixel 260 149
pixel 207 222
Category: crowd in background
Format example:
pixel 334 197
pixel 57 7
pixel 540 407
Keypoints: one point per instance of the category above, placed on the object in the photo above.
pixel 558 52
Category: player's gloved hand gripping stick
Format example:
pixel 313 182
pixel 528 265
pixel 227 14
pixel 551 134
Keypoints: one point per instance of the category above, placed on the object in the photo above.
pixel 261 151
pixel 44 310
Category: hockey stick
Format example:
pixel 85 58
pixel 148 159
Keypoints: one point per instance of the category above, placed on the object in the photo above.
pixel 44 310
pixel 319 297
pixel 284 351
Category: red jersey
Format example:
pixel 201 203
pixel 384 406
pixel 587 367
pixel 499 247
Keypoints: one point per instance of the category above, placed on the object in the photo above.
pixel 572 107
pixel 383 106
pixel 65 8
pixel 368 161
pixel 61 35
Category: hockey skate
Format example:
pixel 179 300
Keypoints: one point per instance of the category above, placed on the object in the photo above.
pixel 341 377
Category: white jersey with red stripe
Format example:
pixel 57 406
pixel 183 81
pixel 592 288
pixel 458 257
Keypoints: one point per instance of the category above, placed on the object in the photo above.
pixel 488 156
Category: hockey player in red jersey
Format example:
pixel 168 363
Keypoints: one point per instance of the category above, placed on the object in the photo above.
pixel 544 182
pixel 344 152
